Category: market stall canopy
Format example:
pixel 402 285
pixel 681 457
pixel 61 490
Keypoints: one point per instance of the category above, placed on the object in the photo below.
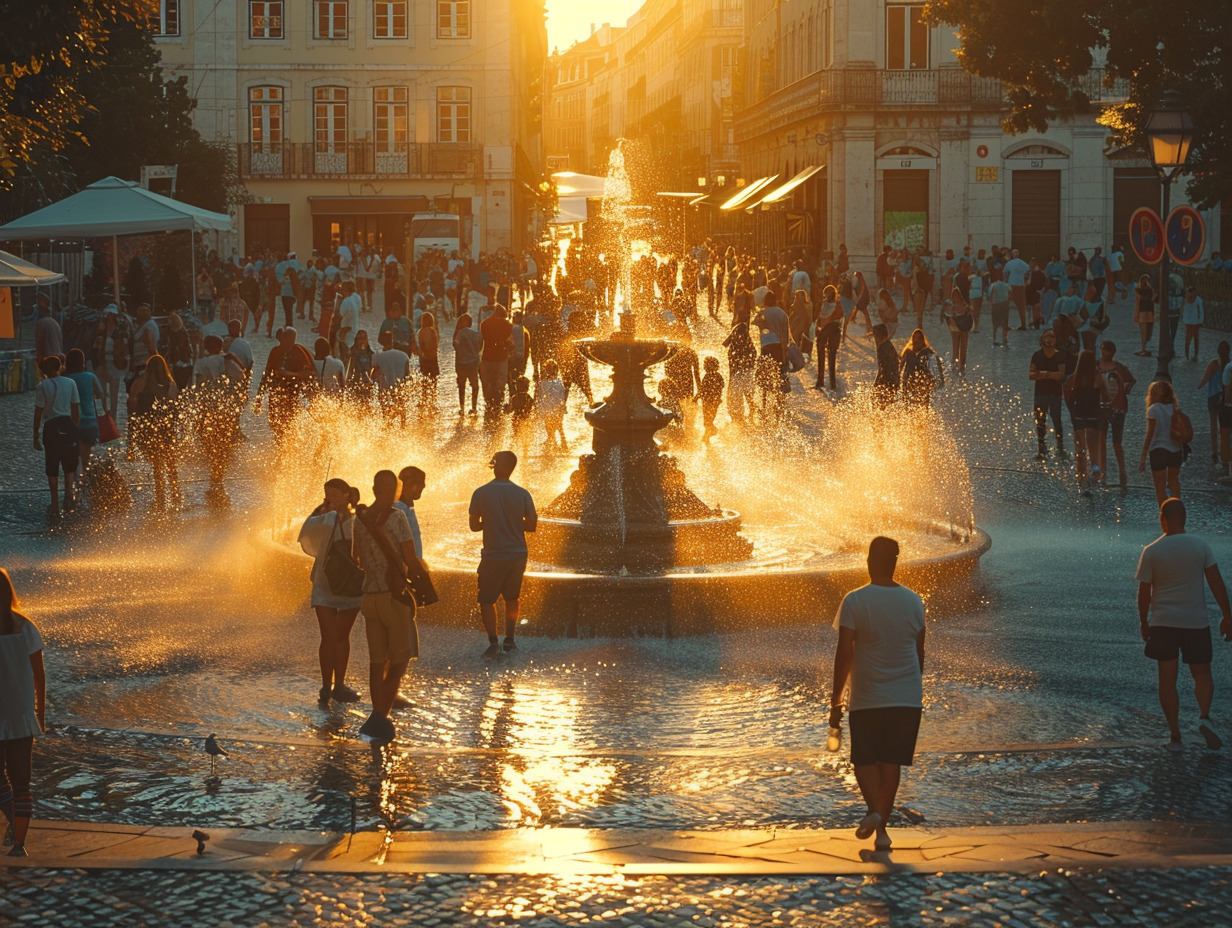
pixel 572 184
pixel 747 192
pixel 14 272
pixel 781 191
pixel 112 207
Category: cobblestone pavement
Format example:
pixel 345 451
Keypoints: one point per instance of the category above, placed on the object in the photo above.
pixel 1064 898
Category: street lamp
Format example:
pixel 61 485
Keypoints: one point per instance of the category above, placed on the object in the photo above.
pixel 1170 133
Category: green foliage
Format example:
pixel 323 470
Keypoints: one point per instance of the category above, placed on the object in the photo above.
pixel 116 113
pixel 1043 50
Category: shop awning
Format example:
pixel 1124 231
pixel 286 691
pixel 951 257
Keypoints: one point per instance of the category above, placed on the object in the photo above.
pixel 748 191
pixel 781 191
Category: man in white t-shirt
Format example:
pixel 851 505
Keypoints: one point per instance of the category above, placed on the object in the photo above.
pixel 57 411
pixel 390 367
pixel 1173 573
pixel 881 651
pixel 1016 272
pixel 348 318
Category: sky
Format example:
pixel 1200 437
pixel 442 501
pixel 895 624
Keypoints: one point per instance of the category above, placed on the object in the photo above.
pixel 569 20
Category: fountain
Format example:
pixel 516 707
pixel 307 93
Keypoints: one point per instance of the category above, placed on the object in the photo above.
pixel 627 506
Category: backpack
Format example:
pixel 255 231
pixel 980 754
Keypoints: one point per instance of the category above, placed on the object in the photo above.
pixel 1181 431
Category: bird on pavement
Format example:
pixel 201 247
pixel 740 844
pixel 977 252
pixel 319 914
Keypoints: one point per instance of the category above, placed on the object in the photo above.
pixel 215 752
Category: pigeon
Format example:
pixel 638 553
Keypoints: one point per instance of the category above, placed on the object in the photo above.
pixel 215 752
pixel 200 837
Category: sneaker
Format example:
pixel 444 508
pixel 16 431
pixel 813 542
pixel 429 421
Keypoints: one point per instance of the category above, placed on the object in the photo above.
pixel 1207 731
pixel 493 652
pixel 1175 747
pixel 343 693
pixel 509 645
pixel 868 825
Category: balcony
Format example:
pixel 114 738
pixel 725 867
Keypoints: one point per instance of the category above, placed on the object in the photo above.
pixel 304 161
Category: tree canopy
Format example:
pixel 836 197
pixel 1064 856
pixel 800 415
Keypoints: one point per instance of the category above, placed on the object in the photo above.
pixel 82 97
pixel 1043 51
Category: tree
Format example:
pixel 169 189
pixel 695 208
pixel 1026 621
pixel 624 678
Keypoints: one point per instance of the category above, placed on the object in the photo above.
pixel 1043 52
pixel 46 51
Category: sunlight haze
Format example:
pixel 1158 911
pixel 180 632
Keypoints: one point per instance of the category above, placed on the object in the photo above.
pixel 569 21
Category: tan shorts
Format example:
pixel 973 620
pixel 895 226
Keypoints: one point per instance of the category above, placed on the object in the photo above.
pixel 392 634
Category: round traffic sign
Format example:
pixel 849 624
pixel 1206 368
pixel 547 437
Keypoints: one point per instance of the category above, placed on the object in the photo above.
pixel 1146 235
pixel 1185 235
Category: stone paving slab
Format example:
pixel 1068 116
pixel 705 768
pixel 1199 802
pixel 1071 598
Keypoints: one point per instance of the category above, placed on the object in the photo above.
pixel 579 851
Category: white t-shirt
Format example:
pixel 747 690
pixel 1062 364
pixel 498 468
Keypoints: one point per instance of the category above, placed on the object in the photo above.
pixel 1193 313
pixel 1114 260
pixel 1162 414
pixel 886 621
pixel 243 352
pixel 1175 566
pixel 348 317
pixel 56 396
pixel 1016 272
pixel 394 365
pixel 210 367
pixel 413 521
pixel 331 375
pixel 18 718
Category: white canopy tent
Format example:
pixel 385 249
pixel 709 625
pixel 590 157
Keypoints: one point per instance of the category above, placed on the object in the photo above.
pixel 113 207
pixel 17 272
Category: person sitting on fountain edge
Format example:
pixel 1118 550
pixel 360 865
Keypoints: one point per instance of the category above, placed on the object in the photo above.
pixel 504 512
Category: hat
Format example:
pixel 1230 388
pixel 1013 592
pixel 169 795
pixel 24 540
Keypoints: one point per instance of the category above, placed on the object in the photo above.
pixel 111 310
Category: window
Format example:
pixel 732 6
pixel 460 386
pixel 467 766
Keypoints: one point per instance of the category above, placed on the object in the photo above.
pixel 389 19
pixel 453 114
pixel 331 19
pixel 330 118
pixel 906 38
pixel 265 117
pixel 168 22
pixel 265 19
pixel 390 118
pixel 453 19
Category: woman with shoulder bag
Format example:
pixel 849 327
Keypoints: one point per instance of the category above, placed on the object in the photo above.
pixel 959 321
pixel 337 584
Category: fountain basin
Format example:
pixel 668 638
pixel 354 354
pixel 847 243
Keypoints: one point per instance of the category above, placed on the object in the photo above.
pixel 716 599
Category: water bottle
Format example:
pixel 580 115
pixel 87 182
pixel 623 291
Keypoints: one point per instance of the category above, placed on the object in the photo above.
pixel 835 739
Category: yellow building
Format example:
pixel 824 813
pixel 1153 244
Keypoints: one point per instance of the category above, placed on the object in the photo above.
pixel 348 116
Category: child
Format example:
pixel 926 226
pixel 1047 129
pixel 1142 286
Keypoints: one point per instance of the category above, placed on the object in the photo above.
pixel 550 403
pixel 711 396
pixel 23 697
pixel 521 406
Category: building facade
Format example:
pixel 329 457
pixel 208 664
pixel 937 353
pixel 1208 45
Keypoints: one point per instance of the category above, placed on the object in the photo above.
pixel 570 119
pixel 348 116
pixel 910 147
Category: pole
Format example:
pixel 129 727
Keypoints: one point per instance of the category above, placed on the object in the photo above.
pixel 115 270
pixel 1167 332
pixel 192 284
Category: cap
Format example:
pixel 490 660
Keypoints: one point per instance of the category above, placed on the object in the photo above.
pixel 111 310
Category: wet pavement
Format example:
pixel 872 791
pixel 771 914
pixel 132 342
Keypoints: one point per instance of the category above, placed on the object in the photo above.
pixel 1041 708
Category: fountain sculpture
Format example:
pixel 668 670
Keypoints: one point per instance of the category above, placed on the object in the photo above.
pixel 627 506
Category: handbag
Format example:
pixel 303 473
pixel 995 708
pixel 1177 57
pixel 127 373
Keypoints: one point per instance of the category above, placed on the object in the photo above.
pixel 795 358
pixel 107 428
pixel 342 574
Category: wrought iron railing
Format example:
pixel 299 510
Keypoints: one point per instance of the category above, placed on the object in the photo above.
pixel 295 160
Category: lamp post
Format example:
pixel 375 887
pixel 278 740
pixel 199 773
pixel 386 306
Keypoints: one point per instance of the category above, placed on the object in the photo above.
pixel 1170 133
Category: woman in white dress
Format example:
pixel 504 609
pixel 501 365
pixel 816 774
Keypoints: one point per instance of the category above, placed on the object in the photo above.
pixel 332 523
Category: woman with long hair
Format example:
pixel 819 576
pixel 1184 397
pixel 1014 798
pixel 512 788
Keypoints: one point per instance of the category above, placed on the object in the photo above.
pixel 916 370
pixel 1166 456
pixel 151 427
pixel 1212 379
pixel 359 368
pixel 1085 390
pixel 1144 312
pixel 862 297
pixel 332 524
pixel 829 334
pixel 23 702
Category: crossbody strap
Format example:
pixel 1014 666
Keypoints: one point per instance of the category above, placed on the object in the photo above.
pixel 393 561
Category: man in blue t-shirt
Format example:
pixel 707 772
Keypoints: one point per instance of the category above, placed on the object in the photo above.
pixel 504 512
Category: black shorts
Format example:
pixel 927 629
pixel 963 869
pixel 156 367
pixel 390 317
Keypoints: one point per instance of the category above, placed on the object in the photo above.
pixel 500 579
pixel 1084 422
pixel 1162 459
pixel 1225 417
pixel 1214 402
pixel 1194 644
pixel 1113 420
pixel 60 446
pixel 885 735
